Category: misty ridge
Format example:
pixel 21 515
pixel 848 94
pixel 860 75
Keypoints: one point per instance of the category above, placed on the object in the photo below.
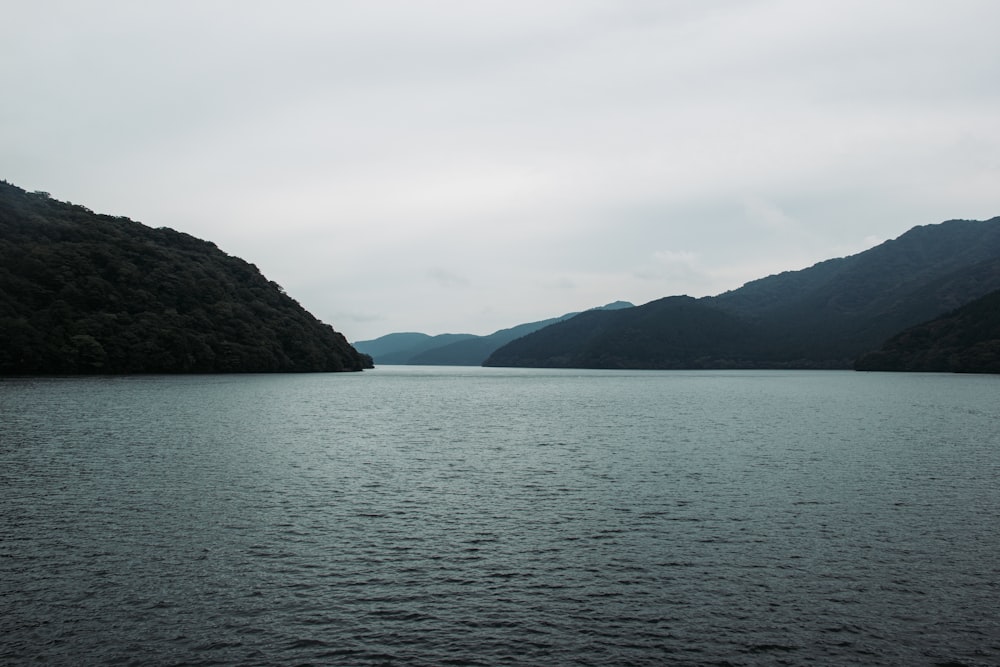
pixel 83 293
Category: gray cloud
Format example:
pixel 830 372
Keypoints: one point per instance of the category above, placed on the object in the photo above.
pixel 547 157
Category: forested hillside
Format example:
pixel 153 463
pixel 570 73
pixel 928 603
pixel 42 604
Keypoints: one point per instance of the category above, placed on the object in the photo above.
pixel 88 293
pixel 821 317
pixel 670 333
pixel 966 340
pixel 841 308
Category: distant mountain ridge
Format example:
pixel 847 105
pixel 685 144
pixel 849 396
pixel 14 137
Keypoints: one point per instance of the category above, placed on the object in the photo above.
pixel 82 293
pixel 399 348
pixel 454 349
pixel 824 316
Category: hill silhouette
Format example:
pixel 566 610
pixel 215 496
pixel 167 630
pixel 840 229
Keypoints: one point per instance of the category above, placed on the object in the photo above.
pixel 454 349
pixel 824 316
pixel 82 293
pixel 965 340
pixel 401 348
pixel 669 333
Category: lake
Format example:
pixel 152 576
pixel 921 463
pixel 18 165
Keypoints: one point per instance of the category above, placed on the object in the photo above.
pixel 487 516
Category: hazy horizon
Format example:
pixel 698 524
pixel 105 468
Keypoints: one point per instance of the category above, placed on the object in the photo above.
pixel 446 167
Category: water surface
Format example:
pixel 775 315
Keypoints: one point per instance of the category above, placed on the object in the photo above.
pixel 469 516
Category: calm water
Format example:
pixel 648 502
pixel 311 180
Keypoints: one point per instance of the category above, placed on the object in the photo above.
pixel 436 516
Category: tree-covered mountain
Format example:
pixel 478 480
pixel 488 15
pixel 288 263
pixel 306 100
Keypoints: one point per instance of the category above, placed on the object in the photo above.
pixel 821 317
pixel 454 349
pixel 82 293
pixel 965 340
pixel 669 333
pixel 841 308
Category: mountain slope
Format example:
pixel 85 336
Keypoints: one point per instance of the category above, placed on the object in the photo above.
pixel 820 317
pixel 454 349
pixel 966 340
pixel 473 351
pixel 88 293
pixel 401 348
pixel 674 332
pixel 842 307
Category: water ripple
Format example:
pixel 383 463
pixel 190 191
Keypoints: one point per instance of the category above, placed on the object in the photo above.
pixel 491 517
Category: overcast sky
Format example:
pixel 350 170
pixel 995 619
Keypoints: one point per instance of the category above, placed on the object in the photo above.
pixel 464 166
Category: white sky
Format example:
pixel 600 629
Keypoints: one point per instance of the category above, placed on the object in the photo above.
pixel 468 165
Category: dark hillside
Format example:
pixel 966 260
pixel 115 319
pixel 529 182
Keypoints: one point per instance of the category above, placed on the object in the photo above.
pixel 849 284
pixel 87 293
pixel 670 333
pixel 401 348
pixel 840 308
pixel 473 351
pixel 454 349
pixel 966 340
pixel 824 316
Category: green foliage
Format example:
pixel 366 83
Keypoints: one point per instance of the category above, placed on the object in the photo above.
pixel 87 293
